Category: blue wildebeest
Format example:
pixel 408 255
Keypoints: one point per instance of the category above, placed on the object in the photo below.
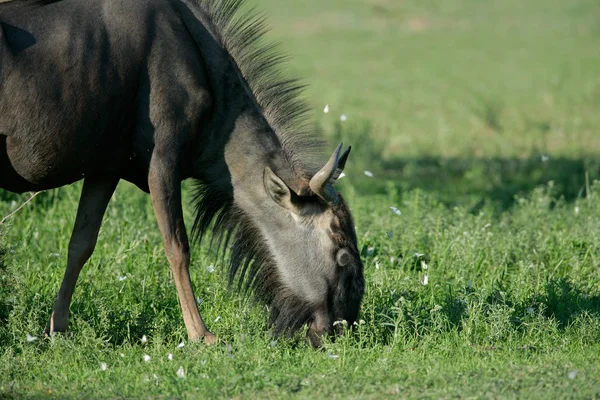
pixel 158 91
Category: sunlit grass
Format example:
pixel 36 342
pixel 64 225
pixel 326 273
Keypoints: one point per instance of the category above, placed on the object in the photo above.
pixel 451 77
pixel 474 128
pixel 457 304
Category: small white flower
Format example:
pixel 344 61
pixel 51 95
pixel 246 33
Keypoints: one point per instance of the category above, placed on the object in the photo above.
pixel 576 210
pixel 199 300
pixel 333 356
pixel 31 338
pixel 369 174
pixel 370 251
pixel 180 345
pixel 544 158
pixel 103 366
pixel 572 374
pixel 144 339
pixel 147 358
pixel 424 265
pixel 170 357
pixel 425 280
pixel 341 321
pixel 210 268
pixel 361 322
pixel 341 175
pixel 202 362
pixel 273 343
pixel 377 265
pixel 343 117
pixel 419 255
pixel 122 355
pixel 326 109
pixel 395 210
pixel 181 372
pixel 121 278
pixel 392 260
pixel 218 318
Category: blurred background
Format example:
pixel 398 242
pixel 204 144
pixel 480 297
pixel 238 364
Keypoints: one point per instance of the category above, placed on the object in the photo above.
pixel 474 100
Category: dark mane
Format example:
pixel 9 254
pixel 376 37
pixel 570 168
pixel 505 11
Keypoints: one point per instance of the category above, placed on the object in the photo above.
pixel 250 265
pixel 242 34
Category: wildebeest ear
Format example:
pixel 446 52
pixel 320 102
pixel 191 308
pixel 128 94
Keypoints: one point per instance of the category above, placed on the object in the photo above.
pixel 279 191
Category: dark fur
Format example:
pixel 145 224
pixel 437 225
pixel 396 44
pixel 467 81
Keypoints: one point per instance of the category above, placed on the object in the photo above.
pixel 250 268
pixel 249 265
pixel 246 60
pixel 242 35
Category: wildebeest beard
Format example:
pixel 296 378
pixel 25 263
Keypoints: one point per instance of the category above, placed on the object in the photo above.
pixel 250 266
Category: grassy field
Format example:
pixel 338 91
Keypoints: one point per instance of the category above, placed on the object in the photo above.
pixel 479 121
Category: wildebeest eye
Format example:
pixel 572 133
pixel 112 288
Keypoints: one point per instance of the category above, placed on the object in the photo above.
pixel 342 257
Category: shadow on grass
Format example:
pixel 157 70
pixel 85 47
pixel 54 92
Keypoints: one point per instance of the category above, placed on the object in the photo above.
pixel 407 314
pixel 498 181
pixel 467 181
pixel 563 302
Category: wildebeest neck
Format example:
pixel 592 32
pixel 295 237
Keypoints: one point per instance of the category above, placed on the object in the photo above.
pixel 245 81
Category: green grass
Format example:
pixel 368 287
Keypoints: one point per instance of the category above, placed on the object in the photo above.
pixel 479 121
pixel 512 306
pixel 452 77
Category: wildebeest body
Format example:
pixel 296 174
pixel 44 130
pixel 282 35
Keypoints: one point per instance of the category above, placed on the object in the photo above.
pixel 86 99
pixel 158 91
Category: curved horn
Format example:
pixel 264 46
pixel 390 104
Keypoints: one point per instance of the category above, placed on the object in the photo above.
pixel 341 164
pixel 344 158
pixel 319 183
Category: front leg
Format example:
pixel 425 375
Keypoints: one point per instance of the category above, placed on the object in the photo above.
pixel 165 190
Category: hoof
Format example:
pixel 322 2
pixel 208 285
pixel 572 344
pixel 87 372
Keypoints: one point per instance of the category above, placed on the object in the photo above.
pixel 55 325
pixel 48 333
pixel 210 338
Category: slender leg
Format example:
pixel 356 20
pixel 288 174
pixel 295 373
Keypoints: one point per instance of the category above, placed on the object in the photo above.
pixel 165 189
pixel 92 205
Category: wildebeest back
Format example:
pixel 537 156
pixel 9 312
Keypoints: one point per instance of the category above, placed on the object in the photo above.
pixel 76 85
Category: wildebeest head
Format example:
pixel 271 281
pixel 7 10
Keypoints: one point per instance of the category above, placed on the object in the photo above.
pixel 294 246
pixel 319 274
pixel 289 235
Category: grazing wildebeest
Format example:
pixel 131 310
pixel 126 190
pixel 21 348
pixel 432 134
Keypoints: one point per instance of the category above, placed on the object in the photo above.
pixel 158 91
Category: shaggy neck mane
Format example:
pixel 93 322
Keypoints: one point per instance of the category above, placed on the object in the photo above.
pixel 242 35
pixel 251 268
